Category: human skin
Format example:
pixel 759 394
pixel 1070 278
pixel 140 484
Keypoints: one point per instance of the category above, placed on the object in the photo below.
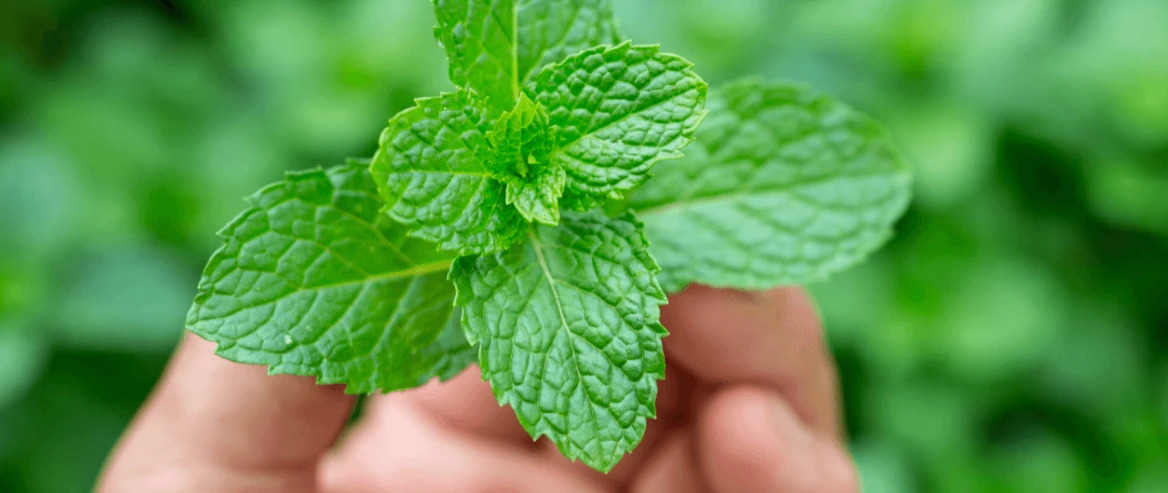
pixel 749 404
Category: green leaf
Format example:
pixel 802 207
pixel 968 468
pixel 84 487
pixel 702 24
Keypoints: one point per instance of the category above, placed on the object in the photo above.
pixel 496 46
pixel 538 200
pixel 784 186
pixel 449 167
pixel 312 280
pixel 619 110
pixel 433 180
pixel 568 323
pixel 521 143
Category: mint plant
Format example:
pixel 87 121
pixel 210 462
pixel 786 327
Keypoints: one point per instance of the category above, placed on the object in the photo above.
pixel 513 222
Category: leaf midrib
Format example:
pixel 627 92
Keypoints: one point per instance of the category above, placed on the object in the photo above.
pixel 415 271
pixel 543 265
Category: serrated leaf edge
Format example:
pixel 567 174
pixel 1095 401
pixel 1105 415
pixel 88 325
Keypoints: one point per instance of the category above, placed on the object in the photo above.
pixel 225 233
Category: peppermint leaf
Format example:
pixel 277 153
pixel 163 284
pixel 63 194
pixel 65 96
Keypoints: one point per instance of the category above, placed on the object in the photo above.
pixel 538 200
pixel 450 167
pixel 519 155
pixel 496 46
pixel 433 180
pixel 619 109
pixel 312 280
pixel 568 323
pixel 784 186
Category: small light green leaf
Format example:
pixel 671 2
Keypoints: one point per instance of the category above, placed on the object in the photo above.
pixel 568 322
pixel 521 143
pixel 539 200
pixel 433 180
pixel 496 46
pixel 784 186
pixel 313 280
pixel 619 110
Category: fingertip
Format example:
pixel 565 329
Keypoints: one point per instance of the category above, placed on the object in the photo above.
pixel 773 338
pixel 752 328
pixel 749 440
pixel 671 469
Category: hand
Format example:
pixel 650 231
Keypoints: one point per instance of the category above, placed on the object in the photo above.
pixel 749 404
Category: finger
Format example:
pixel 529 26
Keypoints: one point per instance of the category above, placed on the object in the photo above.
pixel 466 404
pixel 214 425
pixel 671 469
pixel 748 439
pixel 772 338
pixel 395 448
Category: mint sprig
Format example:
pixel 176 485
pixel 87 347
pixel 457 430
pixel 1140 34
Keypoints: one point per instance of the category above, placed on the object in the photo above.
pixel 520 147
pixel 521 195
pixel 585 130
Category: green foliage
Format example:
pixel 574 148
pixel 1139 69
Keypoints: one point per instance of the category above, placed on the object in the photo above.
pixel 522 148
pixel 20 355
pixel 591 128
pixel 434 180
pixel 303 282
pixel 313 280
pixel 619 110
pixel 496 46
pixel 541 119
pixel 567 324
pixel 1004 339
pixel 783 187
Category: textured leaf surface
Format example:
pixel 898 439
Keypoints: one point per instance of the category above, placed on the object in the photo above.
pixel 568 322
pixel 312 280
pixel 496 46
pixel 521 143
pixel 620 109
pixel 784 186
pixel 433 182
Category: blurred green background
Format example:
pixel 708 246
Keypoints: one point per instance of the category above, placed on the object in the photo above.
pixel 1012 337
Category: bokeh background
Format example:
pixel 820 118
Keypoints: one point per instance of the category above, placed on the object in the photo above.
pixel 1012 337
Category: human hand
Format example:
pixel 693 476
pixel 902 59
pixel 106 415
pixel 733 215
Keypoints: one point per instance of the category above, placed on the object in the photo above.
pixel 749 404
